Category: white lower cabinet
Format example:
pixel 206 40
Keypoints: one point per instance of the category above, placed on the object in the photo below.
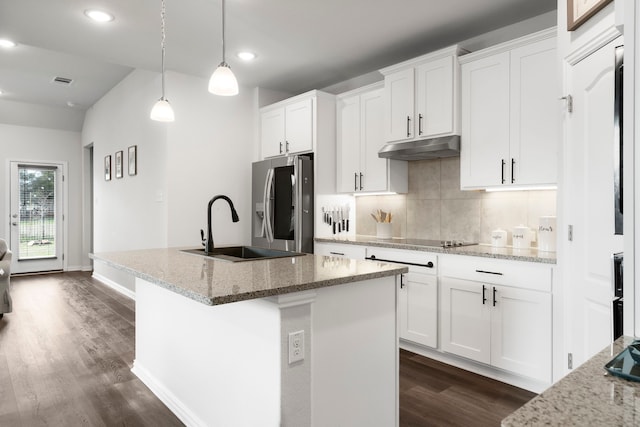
pixel 507 327
pixel 418 308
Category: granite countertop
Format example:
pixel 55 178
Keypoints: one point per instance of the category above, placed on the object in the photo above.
pixel 481 250
pixel 585 397
pixel 212 282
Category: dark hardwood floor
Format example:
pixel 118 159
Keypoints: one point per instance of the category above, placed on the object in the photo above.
pixel 66 353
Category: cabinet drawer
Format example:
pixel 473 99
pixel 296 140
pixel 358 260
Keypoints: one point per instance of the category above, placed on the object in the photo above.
pixel 340 250
pixel 507 273
pixel 417 261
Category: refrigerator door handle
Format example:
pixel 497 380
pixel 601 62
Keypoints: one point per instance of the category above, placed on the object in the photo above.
pixel 266 220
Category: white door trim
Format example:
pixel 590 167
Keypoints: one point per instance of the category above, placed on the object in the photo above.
pixel 64 166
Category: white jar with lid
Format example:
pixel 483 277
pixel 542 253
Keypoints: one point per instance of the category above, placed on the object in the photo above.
pixel 498 238
pixel 521 237
pixel 547 234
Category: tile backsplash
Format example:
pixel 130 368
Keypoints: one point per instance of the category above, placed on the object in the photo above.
pixel 436 208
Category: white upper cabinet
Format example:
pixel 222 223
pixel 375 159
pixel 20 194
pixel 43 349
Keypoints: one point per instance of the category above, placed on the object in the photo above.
pixel 290 126
pixel 359 138
pixel 511 114
pixel 421 97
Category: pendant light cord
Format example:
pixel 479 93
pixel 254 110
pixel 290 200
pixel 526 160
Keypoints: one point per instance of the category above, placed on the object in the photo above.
pixel 162 14
pixel 224 61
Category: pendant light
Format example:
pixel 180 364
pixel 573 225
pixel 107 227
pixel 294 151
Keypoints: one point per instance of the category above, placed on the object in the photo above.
pixel 162 110
pixel 222 81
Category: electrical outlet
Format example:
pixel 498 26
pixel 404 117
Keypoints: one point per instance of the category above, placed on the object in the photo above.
pixel 296 346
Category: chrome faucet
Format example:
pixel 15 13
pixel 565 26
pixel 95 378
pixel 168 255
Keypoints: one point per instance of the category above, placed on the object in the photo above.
pixel 208 243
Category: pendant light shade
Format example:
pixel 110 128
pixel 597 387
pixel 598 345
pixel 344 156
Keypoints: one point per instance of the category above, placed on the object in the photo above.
pixel 162 110
pixel 222 81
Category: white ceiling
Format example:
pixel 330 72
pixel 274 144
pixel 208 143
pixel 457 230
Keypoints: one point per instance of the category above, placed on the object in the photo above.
pixel 301 44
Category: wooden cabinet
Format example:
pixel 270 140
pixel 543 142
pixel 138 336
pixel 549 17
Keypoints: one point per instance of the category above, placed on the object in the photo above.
pixel 506 326
pixel 359 138
pixel 511 114
pixel 422 97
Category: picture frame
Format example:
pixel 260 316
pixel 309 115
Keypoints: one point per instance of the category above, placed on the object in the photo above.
pixel 580 11
pixel 107 168
pixel 119 164
pixel 133 160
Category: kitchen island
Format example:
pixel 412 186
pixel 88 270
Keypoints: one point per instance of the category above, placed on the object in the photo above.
pixel 587 396
pixel 294 341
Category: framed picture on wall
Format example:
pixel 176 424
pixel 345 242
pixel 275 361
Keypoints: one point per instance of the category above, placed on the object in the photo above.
pixel 118 164
pixel 133 160
pixel 579 11
pixel 107 168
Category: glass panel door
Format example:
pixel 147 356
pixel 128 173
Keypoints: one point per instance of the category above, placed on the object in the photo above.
pixel 36 212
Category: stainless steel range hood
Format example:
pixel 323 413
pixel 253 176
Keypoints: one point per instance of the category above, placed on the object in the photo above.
pixel 434 148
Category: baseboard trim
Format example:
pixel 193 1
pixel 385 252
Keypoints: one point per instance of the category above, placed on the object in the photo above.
pixel 79 268
pixel 115 286
pixel 477 368
pixel 172 402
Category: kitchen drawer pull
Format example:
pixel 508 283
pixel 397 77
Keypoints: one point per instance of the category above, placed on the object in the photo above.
pixel 355 181
pixel 408 125
pixel 420 117
pixel 513 164
pixel 502 170
pixel 484 297
pixel 361 181
pixel 494 296
pixel 488 272
pixel 337 253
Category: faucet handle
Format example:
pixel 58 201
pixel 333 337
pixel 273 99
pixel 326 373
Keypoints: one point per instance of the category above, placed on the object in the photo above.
pixel 202 237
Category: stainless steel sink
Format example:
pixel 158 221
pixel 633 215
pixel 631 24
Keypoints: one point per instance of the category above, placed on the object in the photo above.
pixel 242 253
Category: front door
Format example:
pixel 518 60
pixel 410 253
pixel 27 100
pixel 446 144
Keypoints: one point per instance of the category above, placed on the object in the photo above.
pixel 36 217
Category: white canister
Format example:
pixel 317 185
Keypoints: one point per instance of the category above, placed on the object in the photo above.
pixel 521 237
pixel 547 234
pixel 383 230
pixel 498 238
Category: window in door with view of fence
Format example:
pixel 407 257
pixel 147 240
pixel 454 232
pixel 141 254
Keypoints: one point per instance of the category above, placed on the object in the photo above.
pixel 37 198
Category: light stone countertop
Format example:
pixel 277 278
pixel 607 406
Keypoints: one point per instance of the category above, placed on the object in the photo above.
pixel 481 250
pixel 585 397
pixel 212 282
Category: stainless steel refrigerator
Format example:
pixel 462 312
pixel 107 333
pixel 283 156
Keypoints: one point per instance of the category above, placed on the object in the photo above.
pixel 282 203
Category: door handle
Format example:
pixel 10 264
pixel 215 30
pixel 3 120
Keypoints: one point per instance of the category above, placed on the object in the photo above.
pixel 14 223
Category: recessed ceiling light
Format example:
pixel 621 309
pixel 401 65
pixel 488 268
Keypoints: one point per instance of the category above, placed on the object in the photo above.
pixel 99 15
pixel 71 104
pixel 247 56
pixel 7 43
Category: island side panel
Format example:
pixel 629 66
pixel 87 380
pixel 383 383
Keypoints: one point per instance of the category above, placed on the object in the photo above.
pixel 355 358
pixel 211 365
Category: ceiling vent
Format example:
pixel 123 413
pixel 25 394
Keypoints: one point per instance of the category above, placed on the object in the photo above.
pixel 62 80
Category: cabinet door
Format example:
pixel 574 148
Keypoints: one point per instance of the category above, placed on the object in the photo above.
pixel 299 126
pixel 272 132
pixel 535 114
pixel 435 106
pixel 374 169
pixel 521 332
pixel 348 144
pixel 399 99
pixel 484 154
pixel 418 309
pixel 465 317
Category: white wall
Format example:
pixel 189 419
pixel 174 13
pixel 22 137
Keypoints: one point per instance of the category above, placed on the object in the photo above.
pixel 209 152
pixel 40 144
pixel 43 116
pixel 129 213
